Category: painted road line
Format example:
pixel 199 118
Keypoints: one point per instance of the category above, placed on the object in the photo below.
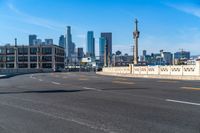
pixel 167 81
pixel 182 102
pixel 83 79
pixel 40 80
pixel 56 83
pixel 32 77
pixel 191 88
pixel 87 88
pixel 122 82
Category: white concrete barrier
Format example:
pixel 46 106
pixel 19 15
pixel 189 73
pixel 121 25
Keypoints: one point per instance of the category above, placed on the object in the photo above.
pixel 178 70
pixel 23 71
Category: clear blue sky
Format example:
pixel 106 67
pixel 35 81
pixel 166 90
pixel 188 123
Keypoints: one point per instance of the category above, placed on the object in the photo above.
pixel 164 24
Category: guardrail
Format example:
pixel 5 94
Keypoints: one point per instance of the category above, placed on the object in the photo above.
pixel 183 70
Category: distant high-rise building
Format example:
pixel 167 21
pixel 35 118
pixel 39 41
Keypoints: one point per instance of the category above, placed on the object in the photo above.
pixel 80 53
pixel 90 44
pixel 108 37
pixel 167 57
pixel 62 41
pixel 31 39
pixel 48 41
pixel 37 42
pixel 102 43
pixel 182 55
pixel 70 46
pixel 144 52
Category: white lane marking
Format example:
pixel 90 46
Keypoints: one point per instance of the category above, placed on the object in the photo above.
pixel 80 122
pixel 87 88
pixel 32 77
pixel 40 80
pixel 183 102
pixel 56 83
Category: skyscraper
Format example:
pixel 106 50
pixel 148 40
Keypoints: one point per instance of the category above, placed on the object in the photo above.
pixel 31 39
pixel 90 44
pixel 62 41
pixel 108 38
pixel 70 46
pixel 80 53
pixel 102 43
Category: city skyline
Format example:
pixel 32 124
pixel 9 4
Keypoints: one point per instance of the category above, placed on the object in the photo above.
pixel 171 25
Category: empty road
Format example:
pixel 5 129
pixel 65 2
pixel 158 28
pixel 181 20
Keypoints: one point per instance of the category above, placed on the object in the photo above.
pixel 90 103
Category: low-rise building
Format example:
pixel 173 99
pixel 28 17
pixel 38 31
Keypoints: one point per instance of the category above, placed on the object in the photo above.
pixel 34 57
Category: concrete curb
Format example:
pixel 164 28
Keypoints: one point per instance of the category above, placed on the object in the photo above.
pixel 151 76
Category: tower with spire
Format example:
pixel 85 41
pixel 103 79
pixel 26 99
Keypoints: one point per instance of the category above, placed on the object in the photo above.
pixel 136 35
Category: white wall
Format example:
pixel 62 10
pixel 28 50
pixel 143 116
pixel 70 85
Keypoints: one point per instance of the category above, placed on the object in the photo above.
pixel 183 70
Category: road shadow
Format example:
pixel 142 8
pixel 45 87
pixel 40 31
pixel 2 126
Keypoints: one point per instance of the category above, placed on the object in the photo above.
pixel 42 92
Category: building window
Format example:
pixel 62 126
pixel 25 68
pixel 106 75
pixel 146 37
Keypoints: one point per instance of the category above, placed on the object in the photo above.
pixel 46 51
pixel 1 65
pixel 46 58
pixel 9 65
pixel 33 59
pixel 10 51
pixel 59 59
pixel 33 65
pixel 23 58
pixel 1 58
pixel 10 58
pixel 59 52
pixel 46 65
pixel 25 65
pixel 33 51
pixel 22 51
pixel 2 51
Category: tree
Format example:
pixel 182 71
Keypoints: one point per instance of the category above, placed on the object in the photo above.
pixel 118 52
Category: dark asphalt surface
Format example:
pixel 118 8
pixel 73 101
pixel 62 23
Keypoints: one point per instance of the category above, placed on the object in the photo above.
pixel 90 103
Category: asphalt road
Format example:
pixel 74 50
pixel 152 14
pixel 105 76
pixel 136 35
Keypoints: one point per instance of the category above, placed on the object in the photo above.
pixel 90 103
